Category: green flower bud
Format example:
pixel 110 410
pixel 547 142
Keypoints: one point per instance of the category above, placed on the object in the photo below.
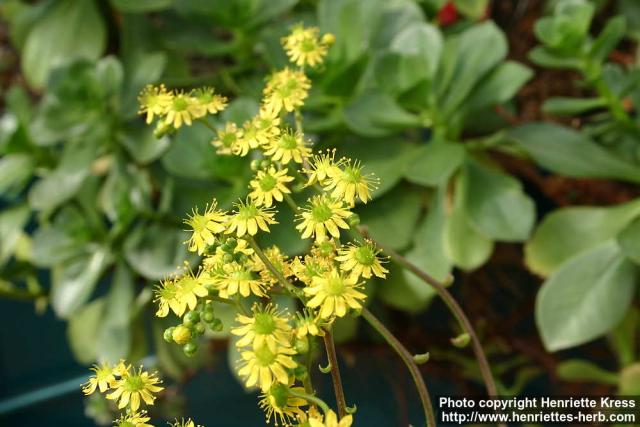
pixel 199 329
pixel 191 318
pixel 216 325
pixel 190 348
pixel 353 220
pixel 231 242
pixel 227 258
pixel 302 345
pixel 208 316
pixel 168 334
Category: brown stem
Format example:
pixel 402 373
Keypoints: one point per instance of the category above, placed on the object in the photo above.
pixel 457 311
pixel 335 372
pixel 407 358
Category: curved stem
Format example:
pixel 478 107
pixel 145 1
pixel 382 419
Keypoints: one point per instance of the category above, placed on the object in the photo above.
pixel 407 358
pixel 311 399
pixel 335 372
pixel 457 311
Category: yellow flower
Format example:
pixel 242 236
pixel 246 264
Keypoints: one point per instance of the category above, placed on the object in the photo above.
pixel 361 260
pixel 237 278
pixel 154 101
pixel 182 423
pixel 308 324
pixel 304 47
pixel 249 217
pixel 103 379
pixel 322 214
pixel 188 288
pixel 269 185
pixel 204 226
pixel 182 109
pixel 287 90
pixel 267 326
pixel 280 404
pixel 331 420
pixel 262 366
pixel 351 182
pixel 322 167
pixel 166 297
pixel 311 267
pixel 334 293
pixel 135 386
pixel 278 260
pixel 289 145
pixel 228 141
pixel 263 128
pixel 209 101
pixel 135 419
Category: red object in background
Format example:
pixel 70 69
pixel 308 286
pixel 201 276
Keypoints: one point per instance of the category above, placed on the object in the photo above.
pixel 448 14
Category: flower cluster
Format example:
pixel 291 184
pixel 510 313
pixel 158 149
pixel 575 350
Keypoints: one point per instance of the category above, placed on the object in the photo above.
pixel 176 107
pixel 275 345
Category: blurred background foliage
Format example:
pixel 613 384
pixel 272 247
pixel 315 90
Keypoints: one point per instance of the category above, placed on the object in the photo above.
pixel 422 92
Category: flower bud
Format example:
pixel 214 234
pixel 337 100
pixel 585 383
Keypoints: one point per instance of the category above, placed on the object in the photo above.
pixel 190 348
pixel 191 318
pixel 354 220
pixel 168 334
pixel 181 334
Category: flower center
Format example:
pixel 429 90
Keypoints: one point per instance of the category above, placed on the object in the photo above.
pixel 135 383
pixel 180 103
pixel 288 142
pixel 321 212
pixel 334 286
pixel 264 324
pixel 126 424
pixel 229 139
pixel 268 183
pixel 279 393
pixel 364 255
pixel 308 45
pixel 352 174
pixel 247 212
pixel 264 356
pixel 198 223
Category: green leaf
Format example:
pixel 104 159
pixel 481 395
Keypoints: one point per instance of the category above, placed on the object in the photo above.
pixel 563 106
pixel 412 294
pixel 412 55
pixel 114 335
pixel 545 58
pixel 474 9
pixel 568 232
pixel 465 246
pixel 15 172
pixel 496 204
pixel 155 251
pixel 467 62
pixel 63 182
pixel 568 27
pixel 141 143
pixel 608 39
pixel 392 218
pixel 82 328
pixel 191 155
pixel 568 152
pixel 499 86
pixel 74 282
pixel 586 371
pixel 141 6
pixel 585 297
pixel 69 30
pixel 629 240
pixel 433 164
pixel 12 222
pixel 376 114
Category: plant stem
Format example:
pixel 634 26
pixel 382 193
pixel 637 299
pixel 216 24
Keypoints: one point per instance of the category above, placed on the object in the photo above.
pixel 311 399
pixel 457 311
pixel 328 337
pixel 278 275
pixel 407 358
pixel 335 372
